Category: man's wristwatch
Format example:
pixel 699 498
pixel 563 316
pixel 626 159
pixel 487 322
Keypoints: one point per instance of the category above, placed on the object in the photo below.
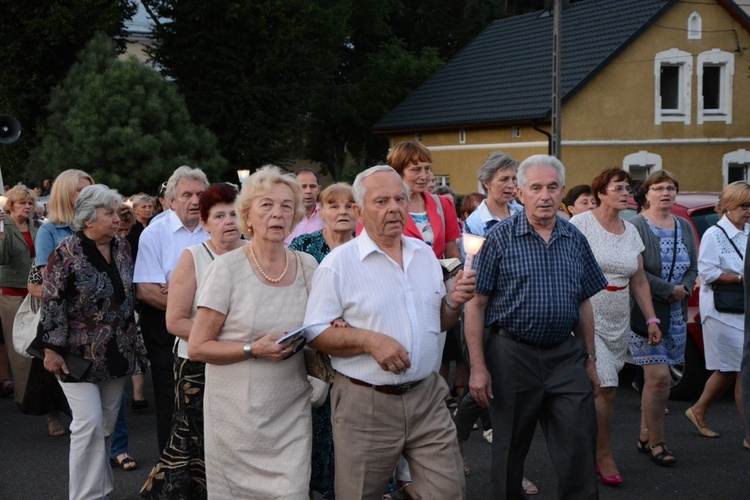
pixel 248 350
pixel 591 357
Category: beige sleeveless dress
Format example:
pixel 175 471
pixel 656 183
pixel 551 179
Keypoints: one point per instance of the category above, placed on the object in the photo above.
pixel 257 415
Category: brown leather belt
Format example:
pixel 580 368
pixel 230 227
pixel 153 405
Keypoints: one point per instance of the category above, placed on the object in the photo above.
pixel 539 345
pixel 393 390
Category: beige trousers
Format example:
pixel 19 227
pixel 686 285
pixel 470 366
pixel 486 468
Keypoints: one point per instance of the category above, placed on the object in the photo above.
pixel 371 430
pixel 19 365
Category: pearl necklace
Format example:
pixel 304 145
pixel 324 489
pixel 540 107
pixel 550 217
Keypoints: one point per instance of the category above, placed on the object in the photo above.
pixel 263 273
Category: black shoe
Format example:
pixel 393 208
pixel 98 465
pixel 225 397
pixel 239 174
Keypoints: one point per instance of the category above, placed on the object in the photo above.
pixel 138 405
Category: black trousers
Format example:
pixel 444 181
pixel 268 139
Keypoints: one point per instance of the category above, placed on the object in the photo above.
pixel 468 410
pixel 159 348
pixel 549 386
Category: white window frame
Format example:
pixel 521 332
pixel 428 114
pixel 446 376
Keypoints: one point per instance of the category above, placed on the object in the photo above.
pixel 442 180
pixel 683 60
pixel 738 158
pixel 462 136
pixel 695 26
pixel 643 159
pixel 725 61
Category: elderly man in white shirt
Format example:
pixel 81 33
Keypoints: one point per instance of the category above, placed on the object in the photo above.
pixel 159 249
pixel 387 400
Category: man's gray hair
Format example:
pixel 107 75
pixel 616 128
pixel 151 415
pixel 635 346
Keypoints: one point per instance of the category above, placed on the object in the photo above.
pixel 184 172
pixel 90 200
pixel 358 188
pixel 540 161
pixel 492 165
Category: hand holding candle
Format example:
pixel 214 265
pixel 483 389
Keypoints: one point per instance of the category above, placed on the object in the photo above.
pixel 472 244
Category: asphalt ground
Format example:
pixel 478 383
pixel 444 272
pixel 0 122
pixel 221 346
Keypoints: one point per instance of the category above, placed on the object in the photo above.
pixel 34 465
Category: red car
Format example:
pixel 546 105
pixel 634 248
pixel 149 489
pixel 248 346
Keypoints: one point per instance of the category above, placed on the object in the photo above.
pixel 700 209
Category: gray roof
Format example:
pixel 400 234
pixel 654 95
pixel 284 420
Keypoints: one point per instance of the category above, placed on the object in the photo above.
pixel 504 75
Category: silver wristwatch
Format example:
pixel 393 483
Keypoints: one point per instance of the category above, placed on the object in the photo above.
pixel 248 350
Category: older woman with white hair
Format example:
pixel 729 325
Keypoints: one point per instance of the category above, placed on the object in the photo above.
pixel 88 334
pixel 256 406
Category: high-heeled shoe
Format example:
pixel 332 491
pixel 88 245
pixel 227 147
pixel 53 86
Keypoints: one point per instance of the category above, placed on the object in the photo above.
pixel 613 480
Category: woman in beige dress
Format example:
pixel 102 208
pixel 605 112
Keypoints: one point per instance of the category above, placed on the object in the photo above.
pixel 256 407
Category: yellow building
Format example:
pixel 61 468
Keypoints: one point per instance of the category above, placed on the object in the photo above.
pixel 647 85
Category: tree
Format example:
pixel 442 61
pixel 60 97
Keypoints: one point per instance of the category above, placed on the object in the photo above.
pixel 121 122
pixel 40 41
pixel 246 68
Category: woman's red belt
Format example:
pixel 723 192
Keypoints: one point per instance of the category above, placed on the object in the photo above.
pixel 613 288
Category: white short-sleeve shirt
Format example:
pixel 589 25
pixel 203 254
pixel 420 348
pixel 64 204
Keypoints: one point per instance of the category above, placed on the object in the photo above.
pixel 360 283
pixel 160 247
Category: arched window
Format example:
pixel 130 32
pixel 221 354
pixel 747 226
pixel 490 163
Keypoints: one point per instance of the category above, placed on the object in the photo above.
pixel 641 164
pixel 695 26
pixel 735 165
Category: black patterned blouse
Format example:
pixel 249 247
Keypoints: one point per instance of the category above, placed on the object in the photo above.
pixel 313 244
pixel 87 307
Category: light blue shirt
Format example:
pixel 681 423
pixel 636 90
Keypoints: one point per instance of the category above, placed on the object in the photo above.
pixel 476 223
pixel 47 238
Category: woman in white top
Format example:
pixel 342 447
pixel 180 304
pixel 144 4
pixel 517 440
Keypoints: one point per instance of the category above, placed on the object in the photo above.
pixel 181 473
pixel 720 261
pixel 617 247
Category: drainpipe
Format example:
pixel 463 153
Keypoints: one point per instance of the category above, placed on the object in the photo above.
pixel 549 136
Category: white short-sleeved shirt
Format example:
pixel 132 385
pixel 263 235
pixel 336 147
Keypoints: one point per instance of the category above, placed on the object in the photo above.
pixel 160 247
pixel 716 256
pixel 360 283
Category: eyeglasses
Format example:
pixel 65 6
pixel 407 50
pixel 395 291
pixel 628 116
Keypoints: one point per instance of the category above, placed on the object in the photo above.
pixel 661 189
pixel 620 188
pixel 745 206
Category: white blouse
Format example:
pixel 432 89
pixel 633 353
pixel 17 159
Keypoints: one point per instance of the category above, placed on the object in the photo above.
pixel 717 256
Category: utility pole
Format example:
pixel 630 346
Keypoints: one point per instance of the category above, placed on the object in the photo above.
pixel 556 141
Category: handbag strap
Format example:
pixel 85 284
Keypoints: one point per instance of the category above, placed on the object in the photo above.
pixel 210 253
pixel 674 252
pixel 742 257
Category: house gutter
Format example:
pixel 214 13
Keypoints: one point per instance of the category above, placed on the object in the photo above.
pixel 549 136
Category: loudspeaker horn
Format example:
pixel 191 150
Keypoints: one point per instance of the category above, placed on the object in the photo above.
pixel 10 129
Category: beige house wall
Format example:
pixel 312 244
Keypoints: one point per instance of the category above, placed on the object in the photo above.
pixel 613 115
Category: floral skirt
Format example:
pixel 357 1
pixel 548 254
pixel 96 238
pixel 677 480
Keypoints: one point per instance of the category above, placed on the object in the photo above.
pixel 181 471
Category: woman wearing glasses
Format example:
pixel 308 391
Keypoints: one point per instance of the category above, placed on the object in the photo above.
pixel 720 262
pixel 617 248
pixel 670 261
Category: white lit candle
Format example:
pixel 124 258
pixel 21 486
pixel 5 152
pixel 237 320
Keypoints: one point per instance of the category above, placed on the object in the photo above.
pixel 472 244
pixel 3 199
pixel 243 175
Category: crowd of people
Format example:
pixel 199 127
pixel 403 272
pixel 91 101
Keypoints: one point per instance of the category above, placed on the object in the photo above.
pixel 298 339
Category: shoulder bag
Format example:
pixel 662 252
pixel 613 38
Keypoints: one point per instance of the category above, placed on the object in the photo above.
pixel 661 309
pixel 25 324
pixel 320 372
pixel 729 298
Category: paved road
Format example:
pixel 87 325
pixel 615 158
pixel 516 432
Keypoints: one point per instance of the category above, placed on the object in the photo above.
pixel 34 465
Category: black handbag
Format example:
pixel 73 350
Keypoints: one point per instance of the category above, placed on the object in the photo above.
pixel 730 298
pixel 661 308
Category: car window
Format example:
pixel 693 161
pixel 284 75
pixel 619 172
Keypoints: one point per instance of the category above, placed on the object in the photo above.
pixel 628 213
pixel 703 219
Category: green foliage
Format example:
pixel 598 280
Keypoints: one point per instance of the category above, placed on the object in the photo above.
pixel 40 41
pixel 121 122
pixel 282 79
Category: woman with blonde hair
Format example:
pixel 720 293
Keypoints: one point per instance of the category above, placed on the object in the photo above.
pixel 720 262
pixel 256 405
pixel 16 252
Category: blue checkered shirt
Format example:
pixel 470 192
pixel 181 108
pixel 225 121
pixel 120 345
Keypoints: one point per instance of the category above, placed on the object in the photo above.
pixel 535 287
